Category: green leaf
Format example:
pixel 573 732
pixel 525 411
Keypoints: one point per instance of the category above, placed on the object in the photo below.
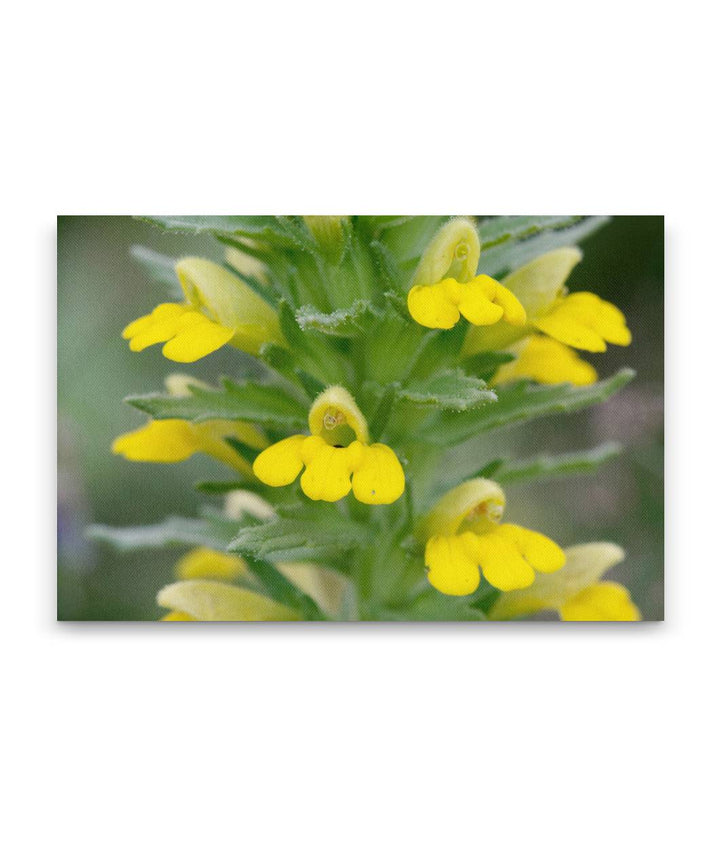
pixel 251 226
pixel 511 253
pixel 172 532
pixel 498 230
pixel 300 538
pixel 246 400
pixel 279 231
pixel 160 268
pixel 450 389
pixel 548 466
pixel 522 402
pixel 341 322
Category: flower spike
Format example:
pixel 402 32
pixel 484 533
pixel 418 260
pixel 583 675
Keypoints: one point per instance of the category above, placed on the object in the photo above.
pixel 337 457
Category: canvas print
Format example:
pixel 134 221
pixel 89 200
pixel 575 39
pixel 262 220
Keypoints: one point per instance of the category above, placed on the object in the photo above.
pixel 360 418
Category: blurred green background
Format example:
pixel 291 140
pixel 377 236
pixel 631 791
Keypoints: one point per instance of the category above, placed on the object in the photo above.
pixel 101 288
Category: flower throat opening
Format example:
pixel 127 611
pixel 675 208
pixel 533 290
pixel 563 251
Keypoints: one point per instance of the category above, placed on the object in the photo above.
pixel 335 429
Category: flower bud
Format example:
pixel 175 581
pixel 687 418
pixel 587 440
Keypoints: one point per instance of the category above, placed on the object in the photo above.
pixel 329 234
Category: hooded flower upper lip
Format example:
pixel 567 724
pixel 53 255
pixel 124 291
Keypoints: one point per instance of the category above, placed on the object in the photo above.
pixel 334 462
pixel 576 592
pixel 463 535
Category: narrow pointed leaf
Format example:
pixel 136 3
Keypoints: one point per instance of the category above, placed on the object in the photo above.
pixel 245 400
pixel 451 389
pixel 172 532
pixel 548 466
pixel 293 540
pixel 522 402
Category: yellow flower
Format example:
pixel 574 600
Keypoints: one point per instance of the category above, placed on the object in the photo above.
pixel 172 440
pixel 544 360
pixel 209 600
pixel 575 592
pixel 445 286
pixel 337 456
pixel 220 309
pixel 463 535
pixel 582 319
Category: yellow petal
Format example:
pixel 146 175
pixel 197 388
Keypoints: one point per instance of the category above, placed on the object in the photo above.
pixel 585 321
pixel 513 311
pixel 452 570
pixel 502 563
pixel 430 306
pixel 379 479
pixel 546 360
pixel 566 327
pixel 327 469
pixel 538 550
pixel 601 602
pixel 162 314
pixel 162 441
pixel 203 563
pixel 207 600
pixel 604 317
pixel 196 340
pixel 280 464
pixel 476 301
